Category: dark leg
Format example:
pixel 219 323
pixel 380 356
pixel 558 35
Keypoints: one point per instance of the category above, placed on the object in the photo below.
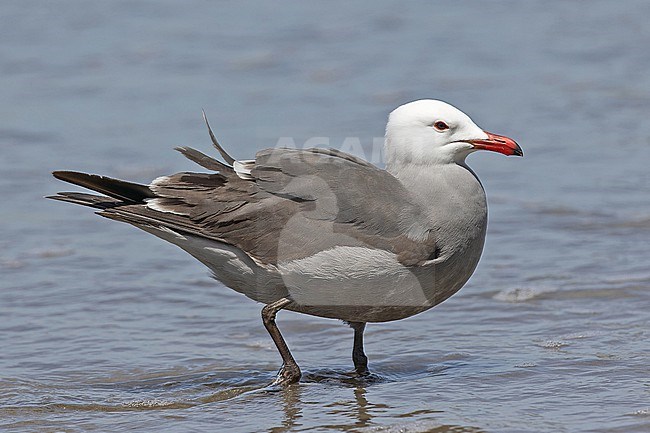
pixel 358 357
pixel 290 372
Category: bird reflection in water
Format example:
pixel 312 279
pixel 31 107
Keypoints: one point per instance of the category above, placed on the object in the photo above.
pixel 292 407
pixel 353 414
pixel 356 409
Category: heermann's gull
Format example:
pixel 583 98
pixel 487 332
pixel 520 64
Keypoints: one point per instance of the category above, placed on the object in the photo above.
pixel 323 232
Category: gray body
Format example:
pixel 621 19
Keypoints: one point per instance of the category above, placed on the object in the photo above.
pixel 338 236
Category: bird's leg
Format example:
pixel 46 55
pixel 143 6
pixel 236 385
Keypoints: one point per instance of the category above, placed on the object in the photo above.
pixel 290 372
pixel 358 357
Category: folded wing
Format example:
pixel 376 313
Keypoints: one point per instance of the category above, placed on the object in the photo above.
pixel 290 204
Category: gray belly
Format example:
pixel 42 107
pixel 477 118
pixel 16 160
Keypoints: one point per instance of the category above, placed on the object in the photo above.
pixel 346 283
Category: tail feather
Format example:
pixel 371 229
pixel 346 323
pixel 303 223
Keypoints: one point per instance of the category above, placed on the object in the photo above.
pixel 229 159
pixel 120 193
pixel 126 191
pixel 204 160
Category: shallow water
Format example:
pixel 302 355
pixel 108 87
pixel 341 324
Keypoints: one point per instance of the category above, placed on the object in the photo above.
pixel 104 328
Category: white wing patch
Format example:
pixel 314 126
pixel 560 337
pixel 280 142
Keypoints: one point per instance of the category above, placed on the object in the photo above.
pixel 243 168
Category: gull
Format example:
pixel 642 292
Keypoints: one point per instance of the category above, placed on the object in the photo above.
pixel 322 232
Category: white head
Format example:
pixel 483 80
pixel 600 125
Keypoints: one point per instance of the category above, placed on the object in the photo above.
pixel 429 132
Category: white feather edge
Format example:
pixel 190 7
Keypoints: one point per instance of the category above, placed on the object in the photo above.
pixel 243 168
pixel 157 205
pixel 157 181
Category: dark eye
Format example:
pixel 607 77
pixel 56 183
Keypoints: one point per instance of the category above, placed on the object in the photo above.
pixel 440 125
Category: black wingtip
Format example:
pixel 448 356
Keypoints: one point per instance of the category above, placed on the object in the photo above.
pixel 119 189
pixel 63 174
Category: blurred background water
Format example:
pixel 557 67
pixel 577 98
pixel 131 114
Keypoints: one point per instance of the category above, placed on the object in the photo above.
pixel 104 328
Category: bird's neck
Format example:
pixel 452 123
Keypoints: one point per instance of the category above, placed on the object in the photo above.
pixel 448 178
